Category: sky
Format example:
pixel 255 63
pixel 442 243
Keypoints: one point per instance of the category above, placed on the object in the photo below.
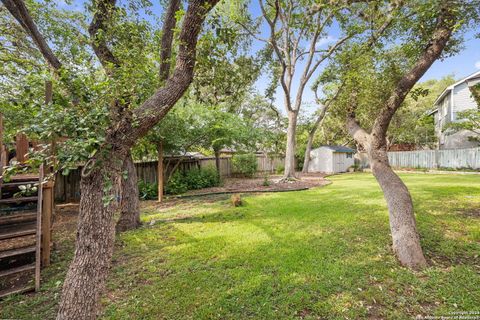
pixel 461 65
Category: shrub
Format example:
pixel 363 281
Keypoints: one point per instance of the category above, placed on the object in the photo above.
pixel 176 184
pixel 245 164
pixel 265 182
pixel 211 176
pixel 147 191
pixel 192 180
pixel 279 169
pixel 201 178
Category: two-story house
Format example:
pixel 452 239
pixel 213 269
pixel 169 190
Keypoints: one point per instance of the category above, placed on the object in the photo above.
pixel 455 98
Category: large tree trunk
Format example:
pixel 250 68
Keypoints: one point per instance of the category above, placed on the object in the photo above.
pixel 217 161
pixel 406 241
pixel 89 268
pixel 130 203
pixel 289 172
pixel 308 149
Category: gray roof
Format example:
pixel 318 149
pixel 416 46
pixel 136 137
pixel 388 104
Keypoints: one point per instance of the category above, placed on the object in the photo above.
pixel 339 149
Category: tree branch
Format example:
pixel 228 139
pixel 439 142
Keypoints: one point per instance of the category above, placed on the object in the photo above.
pixel 97 30
pixel 441 35
pixel 167 39
pixel 20 12
pixel 251 33
pixel 328 54
pixel 157 106
pixel 276 49
pixel 360 135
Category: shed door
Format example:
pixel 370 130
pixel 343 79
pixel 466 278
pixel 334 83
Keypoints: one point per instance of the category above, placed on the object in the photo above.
pixel 338 162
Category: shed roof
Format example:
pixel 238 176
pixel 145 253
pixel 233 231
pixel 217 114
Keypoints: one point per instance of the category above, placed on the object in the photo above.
pixel 339 149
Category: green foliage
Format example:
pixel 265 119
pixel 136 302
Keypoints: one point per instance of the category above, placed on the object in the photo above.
pixel 193 179
pixel 411 123
pixel 147 191
pixel 265 182
pixel 201 178
pixel 245 164
pixel 280 169
pixel 475 90
pixel 176 184
pixel 466 120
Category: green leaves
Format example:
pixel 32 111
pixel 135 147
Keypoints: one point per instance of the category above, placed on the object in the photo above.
pixel 466 120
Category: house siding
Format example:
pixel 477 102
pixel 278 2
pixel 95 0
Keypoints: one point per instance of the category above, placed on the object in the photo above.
pixel 457 100
pixel 462 98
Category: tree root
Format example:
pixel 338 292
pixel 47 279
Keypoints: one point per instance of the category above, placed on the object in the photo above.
pixel 288 179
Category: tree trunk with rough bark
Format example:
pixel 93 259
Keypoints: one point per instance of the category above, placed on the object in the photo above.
pixel 217 161
pixel 405 237
pixel 289 172
pixel 129 203
pixel 85 280
pixel 308 149
pixel 86 276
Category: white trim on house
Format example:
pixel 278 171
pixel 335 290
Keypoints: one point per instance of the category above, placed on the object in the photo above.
pixel 450 87
pixel 446 108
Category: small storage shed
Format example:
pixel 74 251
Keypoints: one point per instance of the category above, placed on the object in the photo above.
pixel 331 159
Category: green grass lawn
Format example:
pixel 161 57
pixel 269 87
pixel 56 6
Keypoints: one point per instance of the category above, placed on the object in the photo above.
pixel 318 254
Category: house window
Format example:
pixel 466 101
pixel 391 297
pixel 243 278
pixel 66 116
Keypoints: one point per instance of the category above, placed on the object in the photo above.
pixel 349 155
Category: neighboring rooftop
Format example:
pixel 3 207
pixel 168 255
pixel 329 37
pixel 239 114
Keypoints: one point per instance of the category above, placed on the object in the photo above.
pixel 450 88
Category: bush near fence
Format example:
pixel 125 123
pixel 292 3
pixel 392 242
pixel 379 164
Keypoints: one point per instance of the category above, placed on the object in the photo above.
pixel 453 159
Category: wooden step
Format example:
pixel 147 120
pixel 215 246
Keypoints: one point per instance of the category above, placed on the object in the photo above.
pixel 24 177
pixel 27 267
pixel 14 290
pixel 18 200
pixel 18 209
pixel 18 230
pixel 17 252
pixel 18 184
pixel 18 217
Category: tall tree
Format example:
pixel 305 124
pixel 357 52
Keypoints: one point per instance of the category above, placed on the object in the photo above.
pixel 69 81
pixel 391 72
pixel 130 206
pixel 297 30
pixel 88 270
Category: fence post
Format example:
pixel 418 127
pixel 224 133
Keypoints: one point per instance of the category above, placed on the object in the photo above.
pixel 160 172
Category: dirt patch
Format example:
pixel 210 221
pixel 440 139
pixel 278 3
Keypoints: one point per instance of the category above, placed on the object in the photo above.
pixel 240 185
pixel 471 213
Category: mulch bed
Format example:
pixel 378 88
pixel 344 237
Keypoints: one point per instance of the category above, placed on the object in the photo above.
pixel 243 185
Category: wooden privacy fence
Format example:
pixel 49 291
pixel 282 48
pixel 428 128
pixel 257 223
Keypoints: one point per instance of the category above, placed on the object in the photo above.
pixel 67 188
pixel 429 159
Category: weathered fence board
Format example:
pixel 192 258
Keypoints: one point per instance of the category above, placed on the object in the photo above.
pixel 430 159
pixel 67 188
